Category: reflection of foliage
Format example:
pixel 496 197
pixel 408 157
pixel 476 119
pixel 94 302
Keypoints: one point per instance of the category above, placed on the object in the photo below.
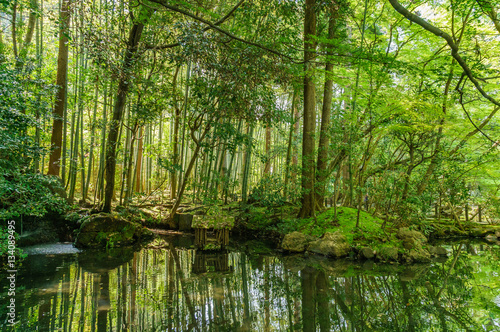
pixel 262 290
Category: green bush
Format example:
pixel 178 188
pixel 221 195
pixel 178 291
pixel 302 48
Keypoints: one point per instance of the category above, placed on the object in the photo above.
pixel 23 191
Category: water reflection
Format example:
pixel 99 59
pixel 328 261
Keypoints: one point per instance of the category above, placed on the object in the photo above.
pixel 175 289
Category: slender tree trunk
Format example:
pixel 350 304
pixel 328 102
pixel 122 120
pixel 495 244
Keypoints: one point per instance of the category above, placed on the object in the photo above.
pixel 246 165
pixel 74 158
pixel 189 169
pixel 267 166
pixel 14 29
pixel 290 141
pixel 324 138
pixel 38 48
pixel 29 35
pixel 295 151
pixel 100 173
pixel 309 126
pixel 121 98
pixel 58 112
pixel 175 143
pixel 183 158
pixel 92 139
pixel 138 169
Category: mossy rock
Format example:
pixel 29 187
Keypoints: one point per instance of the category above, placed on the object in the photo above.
pixel 388 254
pixel 331 244
pixel 108 230
pixel 295 242
pixel 483 231
pixel 408 235
pixel 418 255
pixel 366 253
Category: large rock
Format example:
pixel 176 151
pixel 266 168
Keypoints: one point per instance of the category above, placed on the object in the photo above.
pixel 107 230
pixel 295 242
pixel 482 231
pixel 440 251
pixel 388 254
pixel 405 234
pixel 419 255
pixel 366 253
pixel 331 244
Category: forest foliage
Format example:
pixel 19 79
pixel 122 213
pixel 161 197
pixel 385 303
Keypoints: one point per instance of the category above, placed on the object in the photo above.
pixel 377 105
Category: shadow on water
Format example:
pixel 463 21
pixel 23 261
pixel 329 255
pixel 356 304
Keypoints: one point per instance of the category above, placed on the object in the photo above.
pixel 175 288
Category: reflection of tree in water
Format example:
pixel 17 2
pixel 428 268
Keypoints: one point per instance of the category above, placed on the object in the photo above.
pixel 187 290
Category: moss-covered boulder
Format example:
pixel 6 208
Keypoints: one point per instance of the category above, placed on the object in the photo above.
pixel 366 253
pixel 483 231
pixel 388 254
pixel 295 242
pixel 412 236
pixel 418 255
pixel 331 244
pixel 107 230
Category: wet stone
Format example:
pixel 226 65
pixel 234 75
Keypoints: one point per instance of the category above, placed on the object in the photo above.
pixel 440 251
pixel 332 244
pixel 366 253
pixel 388 254
pixel 295 242
pixel 419 255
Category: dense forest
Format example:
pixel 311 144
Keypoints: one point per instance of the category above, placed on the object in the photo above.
pixel 377 105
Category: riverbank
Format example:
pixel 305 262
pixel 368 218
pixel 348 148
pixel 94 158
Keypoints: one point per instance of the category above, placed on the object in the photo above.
pixel 341 233
pixel 335 233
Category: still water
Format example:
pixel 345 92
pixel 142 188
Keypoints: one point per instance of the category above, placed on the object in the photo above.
pixel 171 287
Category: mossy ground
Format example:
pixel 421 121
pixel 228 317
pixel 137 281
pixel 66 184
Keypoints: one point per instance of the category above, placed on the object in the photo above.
pixel 370 231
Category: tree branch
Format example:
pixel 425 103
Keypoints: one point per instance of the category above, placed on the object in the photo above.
pixel 215 27
pixel 219 22
pixel 454 47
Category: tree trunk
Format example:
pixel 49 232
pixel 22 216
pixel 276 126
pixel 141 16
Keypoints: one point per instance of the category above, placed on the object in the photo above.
pixel 121 98
pixel 29 35
pixel 138 169
pixel 324 138
pixel 62 71
pixel 290 141
pixel 91 147
pixel 309 126
pixel 246 165
pixel 175 143
pixel 14 29
pixel 267 166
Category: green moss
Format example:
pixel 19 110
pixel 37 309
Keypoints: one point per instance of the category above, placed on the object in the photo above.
pixel 369 233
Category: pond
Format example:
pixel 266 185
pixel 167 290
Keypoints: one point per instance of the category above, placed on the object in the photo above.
pixel 249 288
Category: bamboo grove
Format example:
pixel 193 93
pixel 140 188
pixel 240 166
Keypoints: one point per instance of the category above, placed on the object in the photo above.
pixel 385 105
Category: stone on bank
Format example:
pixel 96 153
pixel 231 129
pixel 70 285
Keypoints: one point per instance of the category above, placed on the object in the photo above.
pixel 108 230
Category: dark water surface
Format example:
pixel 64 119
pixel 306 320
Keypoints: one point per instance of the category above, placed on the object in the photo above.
pixel 171 288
